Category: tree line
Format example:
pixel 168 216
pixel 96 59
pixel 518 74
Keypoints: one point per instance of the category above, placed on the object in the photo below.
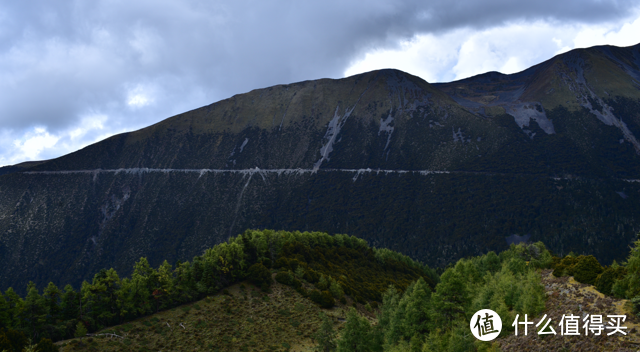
pixel 426 319
pixel 60 313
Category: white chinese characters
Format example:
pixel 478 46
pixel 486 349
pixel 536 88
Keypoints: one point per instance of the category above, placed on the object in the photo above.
pixel 570 325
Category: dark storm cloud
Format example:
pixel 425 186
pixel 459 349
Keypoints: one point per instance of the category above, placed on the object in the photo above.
pixel 62 61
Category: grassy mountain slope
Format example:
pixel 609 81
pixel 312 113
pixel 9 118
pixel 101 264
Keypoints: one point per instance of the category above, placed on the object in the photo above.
pixel 244 320
pixel 288 126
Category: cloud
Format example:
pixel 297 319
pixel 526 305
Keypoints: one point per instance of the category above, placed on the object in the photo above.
pixel 135 63
pixel 508 48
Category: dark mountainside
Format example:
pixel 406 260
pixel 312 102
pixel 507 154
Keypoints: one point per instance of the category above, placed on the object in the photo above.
pixel 437 172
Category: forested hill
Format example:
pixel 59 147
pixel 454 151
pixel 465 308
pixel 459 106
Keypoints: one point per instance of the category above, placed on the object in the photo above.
pixel 304 291
pixel 434 171
pixel 334 266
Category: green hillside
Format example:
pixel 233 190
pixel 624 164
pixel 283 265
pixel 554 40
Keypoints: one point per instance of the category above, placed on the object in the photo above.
pixel 329 270
pixel 281 291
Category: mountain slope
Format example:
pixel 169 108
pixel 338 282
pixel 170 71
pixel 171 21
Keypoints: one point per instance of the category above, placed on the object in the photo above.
pixel 436 171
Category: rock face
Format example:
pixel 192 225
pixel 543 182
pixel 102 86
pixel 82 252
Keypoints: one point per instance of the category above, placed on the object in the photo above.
pixel 435 171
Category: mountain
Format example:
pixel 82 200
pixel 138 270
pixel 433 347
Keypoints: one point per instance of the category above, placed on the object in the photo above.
pixel 436 171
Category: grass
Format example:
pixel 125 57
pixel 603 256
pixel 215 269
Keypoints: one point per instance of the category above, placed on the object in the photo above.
pixel 244 320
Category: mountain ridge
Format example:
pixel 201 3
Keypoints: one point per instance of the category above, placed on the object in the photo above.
pixel 479 169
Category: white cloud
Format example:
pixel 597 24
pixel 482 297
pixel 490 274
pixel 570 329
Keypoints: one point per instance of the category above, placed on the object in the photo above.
pixel 140 96
pixel 40 144
pixel 507 49
pixel 427 56
pixel 619 35
pixel 33 143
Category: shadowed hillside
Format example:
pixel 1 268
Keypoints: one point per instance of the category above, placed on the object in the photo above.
pixel 437 172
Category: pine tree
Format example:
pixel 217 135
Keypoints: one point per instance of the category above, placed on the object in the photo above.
pixel 388 309
pixel 450 297
pixel 15 305
pixel 35 312
pixel 326 336
pixel 633 271
pixel 418 311
pixel 356 334
pixel 51 297
pixel 336 289
pixel 5 317
pixel 70 304
pixel 323 283
pixel 81 330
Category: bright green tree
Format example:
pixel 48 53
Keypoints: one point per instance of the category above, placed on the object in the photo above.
pixel 450 298
pixel 418 310
pixel 356 334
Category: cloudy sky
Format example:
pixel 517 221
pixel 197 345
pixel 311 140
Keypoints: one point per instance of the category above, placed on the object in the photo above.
pixel 75 72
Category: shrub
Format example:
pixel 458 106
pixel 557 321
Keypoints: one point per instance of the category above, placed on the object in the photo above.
pixel 327 300
pixel 315 296
pixel 260 276
pixel 604 282
pixel 565 266
pixel 324 299
pixel 587 269
pixel 12 340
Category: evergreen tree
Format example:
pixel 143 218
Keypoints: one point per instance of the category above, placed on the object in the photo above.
pixel 450 298
pixel 5 314
pixel 137 290
pixel 81 330
pixel 165 292
pixel 356 334
pixel 336 289
pixel 397 322
pixel 70 304
pixel 326 336
pixel 390 300
pixel 418 311
pixel 633 271
pixel 15 306
pixel 34 313
pixel 51 297
pixel 323 283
